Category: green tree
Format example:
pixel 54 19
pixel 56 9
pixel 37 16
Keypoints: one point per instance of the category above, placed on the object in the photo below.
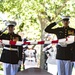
pixel 34 15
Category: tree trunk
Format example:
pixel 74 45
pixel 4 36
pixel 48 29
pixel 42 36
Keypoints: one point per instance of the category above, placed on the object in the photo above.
pixel 42 55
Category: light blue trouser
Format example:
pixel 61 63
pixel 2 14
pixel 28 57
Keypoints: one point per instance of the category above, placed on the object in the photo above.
pixel 10 69
pixel 64 67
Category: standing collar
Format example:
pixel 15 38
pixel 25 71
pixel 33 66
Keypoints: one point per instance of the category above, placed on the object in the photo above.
pixel 10 33
pixel 66 27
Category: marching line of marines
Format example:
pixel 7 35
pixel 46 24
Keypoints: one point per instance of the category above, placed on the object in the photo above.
pixel 12 55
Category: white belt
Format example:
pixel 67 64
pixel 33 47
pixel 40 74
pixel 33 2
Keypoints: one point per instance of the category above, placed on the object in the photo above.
pixel 11 49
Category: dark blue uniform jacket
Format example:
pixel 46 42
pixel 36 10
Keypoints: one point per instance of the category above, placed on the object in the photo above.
pixel 63 53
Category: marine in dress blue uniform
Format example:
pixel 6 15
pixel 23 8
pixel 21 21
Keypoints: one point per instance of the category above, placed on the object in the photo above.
pixel 65 53
pixel 11 54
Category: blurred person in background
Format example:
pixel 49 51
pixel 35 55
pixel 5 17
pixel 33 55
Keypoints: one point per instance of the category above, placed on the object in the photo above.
pixel 51 48
pixel 30 57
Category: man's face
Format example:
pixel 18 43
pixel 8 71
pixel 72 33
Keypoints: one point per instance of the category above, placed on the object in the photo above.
pixel 65 22
pixel 10 28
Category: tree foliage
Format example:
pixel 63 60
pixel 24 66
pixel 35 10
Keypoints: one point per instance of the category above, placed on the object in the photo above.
pixel 32 15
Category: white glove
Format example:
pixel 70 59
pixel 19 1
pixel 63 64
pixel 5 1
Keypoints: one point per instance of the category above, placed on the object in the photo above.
pixel 70 39
pixel 44 49
pixel 62 42
pixel 19 62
